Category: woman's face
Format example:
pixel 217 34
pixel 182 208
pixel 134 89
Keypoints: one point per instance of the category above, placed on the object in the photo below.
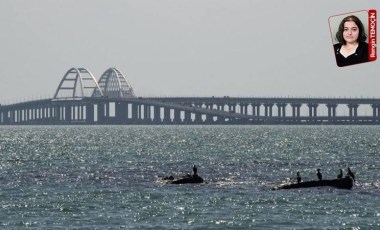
pixel 350 32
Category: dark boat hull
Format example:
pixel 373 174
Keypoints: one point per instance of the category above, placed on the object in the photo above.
pixel 186 180
pixel 344 183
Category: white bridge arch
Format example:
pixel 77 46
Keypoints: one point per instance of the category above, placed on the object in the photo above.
pixel 77 83
pixel 113 84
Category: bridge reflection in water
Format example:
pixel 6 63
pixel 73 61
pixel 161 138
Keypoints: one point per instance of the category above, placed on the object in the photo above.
pixel 80 99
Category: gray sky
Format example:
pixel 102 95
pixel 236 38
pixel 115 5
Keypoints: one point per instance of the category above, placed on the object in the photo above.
pixel 181 47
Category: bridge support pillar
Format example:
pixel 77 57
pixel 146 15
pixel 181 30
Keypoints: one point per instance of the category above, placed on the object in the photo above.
pixel 8 117
pixel 90 114
pixel 157 115
pixel 20 115
pixel 68 111
pixel 281 112
pixel 375 110
pixel 74 112
pixel 232 108
pixel 12 117
pixel 5 117
pixel 49 113
pixel 217 120
pixel 209 119
pixel 135 113
pixel 376 113
pixel 121 112
pixel 23 115
pixel 198 118
pixel 256 109
pixel 33 114
pixel 101 114
pixel 30 115
pixel 244 108
pixel 353 112
pixel 187 118
pixel 53 114
pixel 331 112
pixel 295 110
pixel 177 117
pixel 17 116
pixel 147 118
pixel 45 114
pixel 53 117
pixel 2 115
pixel 39 114
pixel 312 112
pixel 268 109
pixel 220 107
pixel 167 119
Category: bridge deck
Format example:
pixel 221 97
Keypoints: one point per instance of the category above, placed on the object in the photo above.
pixel 192 110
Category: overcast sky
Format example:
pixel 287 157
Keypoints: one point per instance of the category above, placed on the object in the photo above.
pixel 181 47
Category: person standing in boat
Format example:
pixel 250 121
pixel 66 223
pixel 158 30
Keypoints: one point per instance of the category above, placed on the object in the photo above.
pixel 340 175
pixel 350 173
pixel 298 177
pixel 195 170
pixel 319 174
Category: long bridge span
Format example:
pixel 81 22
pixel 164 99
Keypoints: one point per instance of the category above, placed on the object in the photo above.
pixel 81 99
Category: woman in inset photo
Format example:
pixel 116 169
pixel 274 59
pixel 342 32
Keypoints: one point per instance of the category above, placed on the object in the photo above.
pixel 352 47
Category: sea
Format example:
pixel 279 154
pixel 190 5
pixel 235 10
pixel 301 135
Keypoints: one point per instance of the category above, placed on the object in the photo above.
pixel 110 177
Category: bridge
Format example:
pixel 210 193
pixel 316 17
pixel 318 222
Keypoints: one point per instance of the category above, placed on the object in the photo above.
pixel 81 99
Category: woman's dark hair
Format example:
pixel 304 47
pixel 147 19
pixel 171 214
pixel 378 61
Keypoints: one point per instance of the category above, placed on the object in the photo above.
pixel 362 36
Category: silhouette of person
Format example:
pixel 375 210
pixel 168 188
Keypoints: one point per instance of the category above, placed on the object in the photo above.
pixel 195 170
pixel 350 173
pixel 319 174
pixel 340 175
pixel 352 47
pixel 298 177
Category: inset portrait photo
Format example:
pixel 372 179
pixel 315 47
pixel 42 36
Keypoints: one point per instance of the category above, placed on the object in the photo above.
pixel 351 34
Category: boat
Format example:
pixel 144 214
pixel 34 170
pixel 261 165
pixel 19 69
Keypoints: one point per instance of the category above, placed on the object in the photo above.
pixel 189 179
pixel 343 183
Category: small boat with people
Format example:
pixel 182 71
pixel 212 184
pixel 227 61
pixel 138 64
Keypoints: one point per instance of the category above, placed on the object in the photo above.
pixel 188 179
pixel 341 183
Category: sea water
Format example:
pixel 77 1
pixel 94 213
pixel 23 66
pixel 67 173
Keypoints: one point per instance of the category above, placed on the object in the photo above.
pixel 109 177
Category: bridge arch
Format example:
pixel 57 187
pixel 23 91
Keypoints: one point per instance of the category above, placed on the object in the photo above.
pixel 114 84
pixel 77 83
